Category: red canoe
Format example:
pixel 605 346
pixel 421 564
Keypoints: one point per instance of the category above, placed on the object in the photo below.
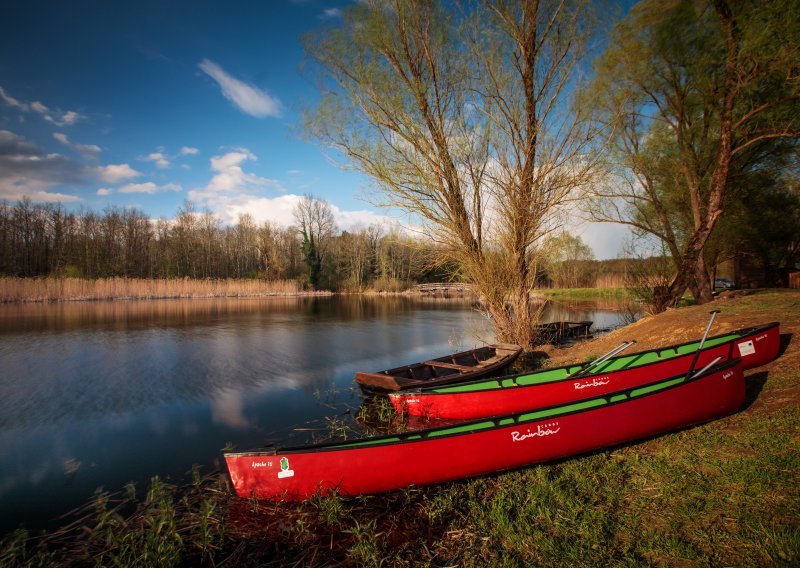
pixel 506 395
pixel 374 465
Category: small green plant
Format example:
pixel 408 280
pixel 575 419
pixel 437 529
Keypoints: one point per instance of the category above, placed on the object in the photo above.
pixel 365 550
pixel 330 508
pixel 337 428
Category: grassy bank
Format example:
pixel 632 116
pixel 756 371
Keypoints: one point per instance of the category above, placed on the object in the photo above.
pixel 76 289
pixel 584 293
pixel 724 493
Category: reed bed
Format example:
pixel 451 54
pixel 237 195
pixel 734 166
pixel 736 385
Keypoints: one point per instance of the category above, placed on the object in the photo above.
pixel 14 290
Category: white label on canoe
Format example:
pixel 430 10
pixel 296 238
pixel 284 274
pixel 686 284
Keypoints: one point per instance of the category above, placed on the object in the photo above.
pixel 746 348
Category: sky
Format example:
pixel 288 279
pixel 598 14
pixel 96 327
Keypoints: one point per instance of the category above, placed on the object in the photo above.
pixel 148 104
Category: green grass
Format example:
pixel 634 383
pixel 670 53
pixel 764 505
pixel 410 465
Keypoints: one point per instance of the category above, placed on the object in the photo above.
pixel 584 293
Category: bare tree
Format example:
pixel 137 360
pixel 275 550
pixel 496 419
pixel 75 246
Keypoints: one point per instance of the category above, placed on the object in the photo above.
pixel 315 223
pixel 462 119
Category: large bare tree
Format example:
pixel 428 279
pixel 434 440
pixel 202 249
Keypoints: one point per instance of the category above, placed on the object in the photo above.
pixel 462 118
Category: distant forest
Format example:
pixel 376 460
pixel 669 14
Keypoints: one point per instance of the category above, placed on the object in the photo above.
pixel 43 239
pixel 38 240
pixel 46 240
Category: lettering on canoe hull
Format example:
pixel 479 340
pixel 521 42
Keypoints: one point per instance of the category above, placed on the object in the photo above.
pixel 595 382
pixel 542 430
pixel 727 375
pixel 256 465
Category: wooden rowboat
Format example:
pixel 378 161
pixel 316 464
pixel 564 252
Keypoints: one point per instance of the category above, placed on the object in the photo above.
pixel 475 399
pixel 385 463
pixel 458 367
pixel 559 331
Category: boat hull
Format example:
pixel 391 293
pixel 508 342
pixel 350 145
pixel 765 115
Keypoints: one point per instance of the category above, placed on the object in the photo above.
pixel 435 456
pixel 455 368
pixel 755 347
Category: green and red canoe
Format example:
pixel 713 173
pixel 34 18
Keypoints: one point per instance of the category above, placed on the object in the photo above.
pixel 505 395
pixel 385 463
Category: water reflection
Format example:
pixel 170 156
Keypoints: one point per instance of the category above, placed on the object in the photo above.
pixel 101 393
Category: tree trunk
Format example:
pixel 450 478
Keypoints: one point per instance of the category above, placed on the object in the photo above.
pixel 692 263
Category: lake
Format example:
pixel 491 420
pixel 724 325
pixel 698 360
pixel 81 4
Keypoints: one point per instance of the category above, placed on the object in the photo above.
pixel 98 394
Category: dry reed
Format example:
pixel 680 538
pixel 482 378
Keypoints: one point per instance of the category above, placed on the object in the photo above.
pixel 66 289
pixel 611 280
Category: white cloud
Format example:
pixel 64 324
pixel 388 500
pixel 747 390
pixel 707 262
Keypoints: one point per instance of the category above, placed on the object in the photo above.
pixel 159 158
pixel 232 192
pixel 294 172
pixel 103 191
pixel 350 220
pixel 9 100
pixel 230 178
pixel 281 210
pixel 69 118
pixel 50 197
pixel 605 239
pixel 148 187
pixel 248 98
pixel 277 209
pixel 230 160
pixel 189 151
pixel 88 150
pixel 36 106
pixel 329 13
pixel 27 171
pixel 115 173
pixel 56 117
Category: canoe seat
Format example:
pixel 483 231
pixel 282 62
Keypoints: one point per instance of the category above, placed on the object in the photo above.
pixel 448 365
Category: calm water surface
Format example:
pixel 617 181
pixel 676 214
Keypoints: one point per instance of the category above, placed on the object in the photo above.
pixel 100 394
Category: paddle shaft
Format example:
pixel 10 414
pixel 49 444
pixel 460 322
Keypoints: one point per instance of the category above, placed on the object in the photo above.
pixel 618 349
pixel 706 368
pixel 702 342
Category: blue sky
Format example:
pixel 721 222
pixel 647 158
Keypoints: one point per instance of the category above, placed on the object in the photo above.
pixel 147 104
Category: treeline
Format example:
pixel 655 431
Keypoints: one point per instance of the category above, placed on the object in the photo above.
pixel 46 240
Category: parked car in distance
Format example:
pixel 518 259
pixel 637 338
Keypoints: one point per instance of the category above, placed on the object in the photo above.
pixel 725 283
